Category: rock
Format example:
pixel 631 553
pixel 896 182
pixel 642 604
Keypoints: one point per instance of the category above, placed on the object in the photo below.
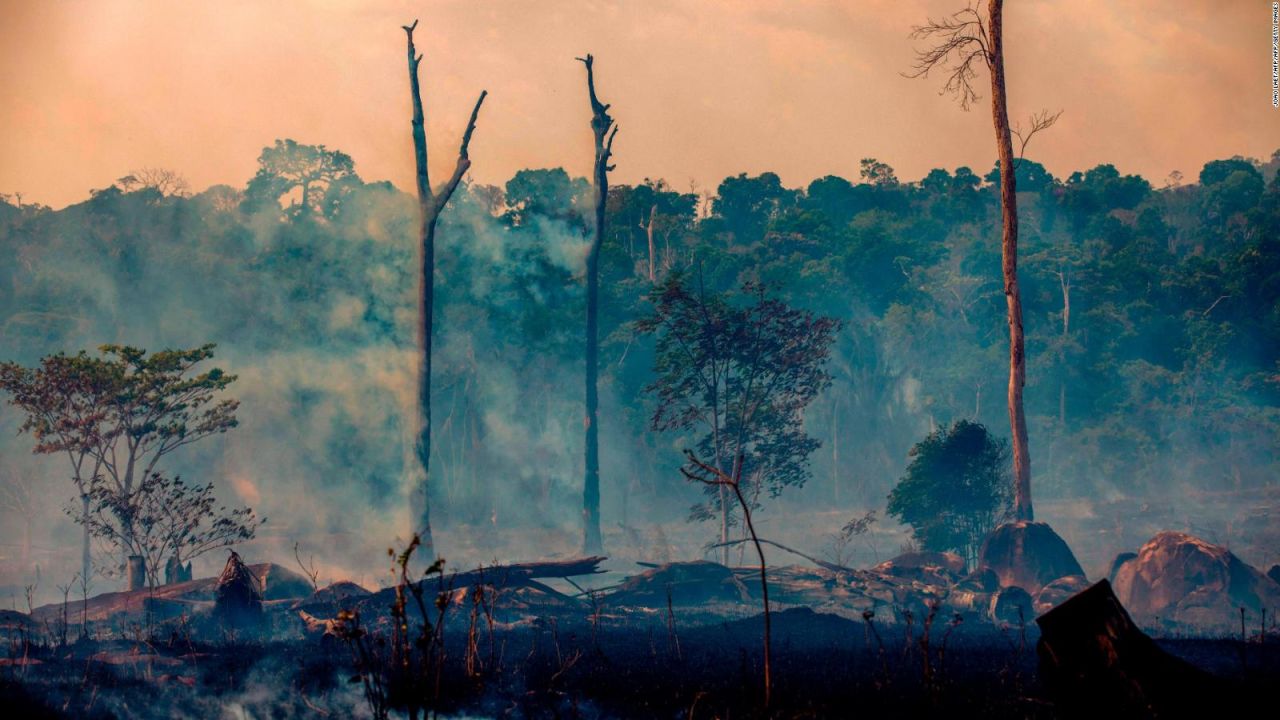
pixel 935 568
pixel 980 580
pixel 1011 605
pixel 1274 573
pixel 1058 592
pixel 238 598
pixel 1116 564
pixel 1027 554
pixel 1180 580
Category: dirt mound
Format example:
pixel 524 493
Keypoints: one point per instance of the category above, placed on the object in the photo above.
pixel 1181 581
pixel 1027 554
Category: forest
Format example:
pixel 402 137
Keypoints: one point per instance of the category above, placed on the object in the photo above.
pixel 1151 313
pixel 565 446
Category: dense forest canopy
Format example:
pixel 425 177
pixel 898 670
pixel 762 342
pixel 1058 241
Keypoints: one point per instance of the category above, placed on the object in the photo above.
pixel 1152 313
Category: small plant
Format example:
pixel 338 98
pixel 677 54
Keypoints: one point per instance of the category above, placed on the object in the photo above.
pixel 401 672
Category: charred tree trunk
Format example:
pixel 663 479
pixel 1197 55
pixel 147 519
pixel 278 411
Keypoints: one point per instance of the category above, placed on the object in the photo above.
pixel 604 130
pixel 86 555
pixel 653 212
pixel 429 207
pixel 1022 509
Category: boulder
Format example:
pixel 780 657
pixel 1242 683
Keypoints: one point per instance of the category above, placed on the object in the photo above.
pixel 1184 582
pixel 1027 554
pixel 1058 592
pixel 1119 562
pixel 980 580
pixel 1010 605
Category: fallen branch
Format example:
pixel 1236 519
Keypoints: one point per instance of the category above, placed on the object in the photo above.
pixel 820 563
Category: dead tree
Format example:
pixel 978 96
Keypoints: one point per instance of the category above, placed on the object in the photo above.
pixel 707 474
pixel 961 42
pixel 603 128
pixel 430 205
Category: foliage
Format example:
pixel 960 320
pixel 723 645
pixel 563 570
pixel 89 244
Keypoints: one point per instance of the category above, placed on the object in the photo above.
pixel 956 489
pixel 739 370
pixel 163 518
pixel 1164 379
pixel 116 416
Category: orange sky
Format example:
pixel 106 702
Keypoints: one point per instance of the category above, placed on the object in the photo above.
pixel 701 88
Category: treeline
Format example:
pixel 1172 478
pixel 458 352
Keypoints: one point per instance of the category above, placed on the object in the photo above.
pixel 1152 318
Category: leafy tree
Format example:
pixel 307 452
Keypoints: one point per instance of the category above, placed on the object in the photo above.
pixel 289 165
pixel 164 520
pixel 117 416
pixel 955 490
pixel 65 401
pixel 738 371
pixel 744 205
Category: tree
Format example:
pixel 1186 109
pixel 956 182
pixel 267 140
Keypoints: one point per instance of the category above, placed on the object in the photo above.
pixel 962 41
pixel 65 401
pixel 605 131
pixel 168 183
pixel 430 204
pixel 118 415
pixel 740 371
pixel 164 519
pixel 713 477
pixel 288 164
pixel 955 490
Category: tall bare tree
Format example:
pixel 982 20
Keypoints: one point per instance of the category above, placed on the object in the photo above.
pixel 963 42
pixel 429 207
pixel 604 129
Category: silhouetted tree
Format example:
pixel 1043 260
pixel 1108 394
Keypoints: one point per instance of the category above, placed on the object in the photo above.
pixel 430 204
pixel 741 370
pixel 964 40
pixel 289 165
pixel 605 131
pixel 955 490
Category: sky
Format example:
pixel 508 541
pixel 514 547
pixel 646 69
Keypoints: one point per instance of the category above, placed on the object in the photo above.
pixel 701 89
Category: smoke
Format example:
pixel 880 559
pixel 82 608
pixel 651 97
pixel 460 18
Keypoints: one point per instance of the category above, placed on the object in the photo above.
pixel 317 318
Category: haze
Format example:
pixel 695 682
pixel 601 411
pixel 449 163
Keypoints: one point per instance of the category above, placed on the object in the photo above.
pixel 701 90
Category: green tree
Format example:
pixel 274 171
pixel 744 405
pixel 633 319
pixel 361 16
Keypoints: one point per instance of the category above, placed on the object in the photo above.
pixel 738 370
pixel 289 165
pixel 118 415
pixel 955 490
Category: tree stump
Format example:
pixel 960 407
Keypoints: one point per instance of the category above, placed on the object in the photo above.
pixel 1094 660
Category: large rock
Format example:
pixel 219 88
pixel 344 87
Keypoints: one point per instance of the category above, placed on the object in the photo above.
pixel 1058 592
pixel 1028 554
pixel 1183 582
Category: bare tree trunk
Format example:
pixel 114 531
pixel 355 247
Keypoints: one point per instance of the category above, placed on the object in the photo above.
pixel 1022 509
pixel 86 556
pixel 604 130
pixel 429 207
pixel 1064 279
pixel 653 212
